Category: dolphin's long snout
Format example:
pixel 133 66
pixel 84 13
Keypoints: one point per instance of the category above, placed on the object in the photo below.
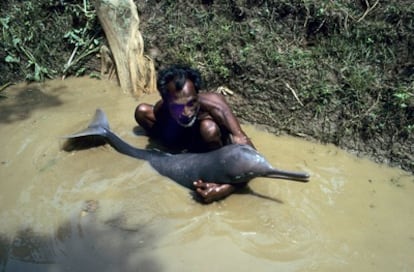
pixel 295 176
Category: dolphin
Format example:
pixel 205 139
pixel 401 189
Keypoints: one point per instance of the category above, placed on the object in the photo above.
pixel 231 164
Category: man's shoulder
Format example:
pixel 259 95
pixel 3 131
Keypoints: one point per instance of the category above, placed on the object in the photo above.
pixel 210 96
pixel 213 102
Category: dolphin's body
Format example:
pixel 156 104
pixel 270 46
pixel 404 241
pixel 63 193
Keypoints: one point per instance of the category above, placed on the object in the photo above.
pixel 230 164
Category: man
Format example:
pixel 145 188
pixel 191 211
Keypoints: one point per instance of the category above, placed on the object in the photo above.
pixel 187 120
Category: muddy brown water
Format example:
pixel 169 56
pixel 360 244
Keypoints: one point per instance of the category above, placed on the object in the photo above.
pixel 97 210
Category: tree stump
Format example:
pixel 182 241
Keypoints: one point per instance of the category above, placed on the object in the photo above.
pixel 120 21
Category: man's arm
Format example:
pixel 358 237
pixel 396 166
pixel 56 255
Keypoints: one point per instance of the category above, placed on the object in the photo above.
pixel 220 111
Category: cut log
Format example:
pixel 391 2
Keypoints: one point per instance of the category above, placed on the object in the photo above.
pixel 120 21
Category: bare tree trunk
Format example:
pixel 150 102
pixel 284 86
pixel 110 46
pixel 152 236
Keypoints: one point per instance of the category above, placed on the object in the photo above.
pixel 119 19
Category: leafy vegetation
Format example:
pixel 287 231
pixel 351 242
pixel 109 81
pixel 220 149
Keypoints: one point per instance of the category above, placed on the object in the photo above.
pixel 45 39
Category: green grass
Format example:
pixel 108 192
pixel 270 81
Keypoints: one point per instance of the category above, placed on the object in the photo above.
pixel 39 37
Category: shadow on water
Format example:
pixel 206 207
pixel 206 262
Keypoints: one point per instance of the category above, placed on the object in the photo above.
pixel 25 101
pixel 81 143
pixel 247 190
pixel 83 243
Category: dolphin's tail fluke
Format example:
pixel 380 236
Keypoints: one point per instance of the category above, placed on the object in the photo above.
pixel 98 127
pixel 98 133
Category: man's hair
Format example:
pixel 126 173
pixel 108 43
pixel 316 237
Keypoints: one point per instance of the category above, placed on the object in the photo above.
pixel 178 74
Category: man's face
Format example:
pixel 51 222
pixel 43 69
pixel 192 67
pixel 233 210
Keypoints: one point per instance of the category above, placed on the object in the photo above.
pixel 183 104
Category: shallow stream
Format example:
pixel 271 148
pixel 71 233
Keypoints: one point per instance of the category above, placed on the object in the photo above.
pixel 97 210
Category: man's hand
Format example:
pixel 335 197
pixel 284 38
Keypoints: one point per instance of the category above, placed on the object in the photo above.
pixel 242 139
pixel 212 191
